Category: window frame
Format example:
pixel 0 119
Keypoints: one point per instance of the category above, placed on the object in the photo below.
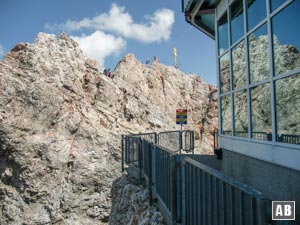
pixel 271 79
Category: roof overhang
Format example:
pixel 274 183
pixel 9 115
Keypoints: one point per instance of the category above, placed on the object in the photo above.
pixel 201 14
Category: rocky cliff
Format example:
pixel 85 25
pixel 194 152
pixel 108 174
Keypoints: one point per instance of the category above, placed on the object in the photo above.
pixel 61 122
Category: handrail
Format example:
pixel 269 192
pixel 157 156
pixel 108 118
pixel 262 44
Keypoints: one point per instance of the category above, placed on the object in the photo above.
pixel 167 150
pixel 245 188
pixel 177 185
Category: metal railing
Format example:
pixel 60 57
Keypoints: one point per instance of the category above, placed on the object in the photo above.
pixel 187 191
pixel 177 140
pixel 262 135
pixel 187 141
pixel 255 134
pixel 145 158
pixel 166 180
pixel 171 140
pixel 131 144
pixel 212 198
pixel 241 133
pixel 216 139
pixel 289 138
pixel 151 137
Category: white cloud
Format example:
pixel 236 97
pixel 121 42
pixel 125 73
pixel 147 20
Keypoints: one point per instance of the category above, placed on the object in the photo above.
pixel 157 28
pixel 99 45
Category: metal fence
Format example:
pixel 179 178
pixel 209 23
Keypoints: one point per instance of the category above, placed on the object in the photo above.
pixel 171 140
pixel 216 139
pixel 151 137
pixel 187 141
pixel 189 192
pixel 144 161
pixel 289 138
pixel 262 135
pixel 213 198
pixel 131 148
pixel 177 140
pixel 286 138
pixel 167 176
pixel 255 134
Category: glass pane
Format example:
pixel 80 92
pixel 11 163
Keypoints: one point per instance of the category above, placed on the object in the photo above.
pixel 226 115
pixel 241 114
pixel 224 73
pixel 259 54
pixel 276 3
pixel 286 39
pixel 239 65
pixel 261 112
pixel 223 33
pixel 288 111
pixel 237 20
pixel 256 12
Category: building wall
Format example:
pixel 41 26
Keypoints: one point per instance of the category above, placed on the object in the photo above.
pixel 275 182
pixel 259 77
pixel 258 59
pixel 259 95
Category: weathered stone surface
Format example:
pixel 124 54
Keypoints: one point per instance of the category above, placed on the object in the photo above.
pixel 61 122
pixel 130 204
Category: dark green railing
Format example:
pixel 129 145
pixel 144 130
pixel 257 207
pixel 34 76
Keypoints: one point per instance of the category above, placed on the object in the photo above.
pixel 189 192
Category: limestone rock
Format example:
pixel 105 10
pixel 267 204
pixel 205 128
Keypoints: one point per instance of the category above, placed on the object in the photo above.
pixel 130 204
pixel 61 122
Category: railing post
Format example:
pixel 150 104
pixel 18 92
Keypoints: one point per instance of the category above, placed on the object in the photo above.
pixel 140 157
pixel 180 141
pixel 173 187
pixel 143 152
pixel 192 141
pixel 122 144
pixel 154 168
pixel 126 155
pixel 176 189
pixel 158 141
pixel 183 194
pixel 150 173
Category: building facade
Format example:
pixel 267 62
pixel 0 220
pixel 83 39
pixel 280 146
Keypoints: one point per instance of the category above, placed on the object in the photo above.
pixel 258 60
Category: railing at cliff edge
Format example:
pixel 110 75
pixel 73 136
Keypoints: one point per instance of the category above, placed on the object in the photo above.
pixel 175 140
pixel 188 192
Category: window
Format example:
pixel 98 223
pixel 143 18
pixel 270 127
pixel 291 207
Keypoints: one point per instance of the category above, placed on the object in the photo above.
pixel 223 34
pixel 259 54
pixel 226 115
pixel 256 63
pixel 261 112
pixel 286 39
pixel 256 12
pixel 276 3
pixel 237 20
pixel 239 65
pixel 241 114
pixel 287 109
pixel 225 73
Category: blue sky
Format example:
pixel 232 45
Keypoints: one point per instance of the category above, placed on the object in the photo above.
pixel 108 30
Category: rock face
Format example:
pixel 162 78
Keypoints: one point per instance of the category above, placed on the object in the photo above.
pixel 61 122
pixel 152 94
pixel 130 204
